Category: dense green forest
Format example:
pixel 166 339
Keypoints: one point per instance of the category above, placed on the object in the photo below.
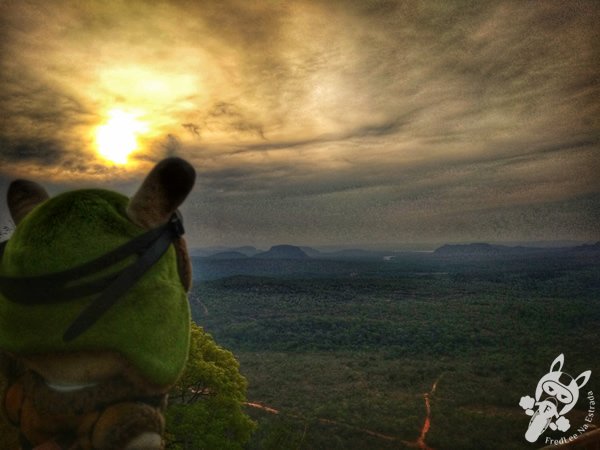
pixel 340 356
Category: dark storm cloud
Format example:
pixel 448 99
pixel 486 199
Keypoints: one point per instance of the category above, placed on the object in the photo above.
pixel 45 152
pixel 36 119
pixel 192 128
pixel 172 146
pixel 228 116
pixel 390 127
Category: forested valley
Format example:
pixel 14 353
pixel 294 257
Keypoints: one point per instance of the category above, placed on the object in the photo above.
pixel 416 352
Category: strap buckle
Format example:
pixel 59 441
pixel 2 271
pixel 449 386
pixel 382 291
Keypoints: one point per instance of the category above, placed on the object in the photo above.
pixel 176 224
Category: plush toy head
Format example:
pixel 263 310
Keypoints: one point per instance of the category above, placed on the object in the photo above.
pixel 149 324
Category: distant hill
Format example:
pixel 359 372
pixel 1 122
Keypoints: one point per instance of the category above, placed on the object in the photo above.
pixel 592 248
pixel 474 250
pixel 228 255
pixel 246 250
pixel 483 249
pixel 204 252
pixel 312 252
pixel 355 254
pixel 283 252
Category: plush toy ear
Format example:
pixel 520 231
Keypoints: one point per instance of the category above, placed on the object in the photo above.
pixel 161 193
pixel 22 197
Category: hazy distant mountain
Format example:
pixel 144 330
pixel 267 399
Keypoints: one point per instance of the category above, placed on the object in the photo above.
pixel 210 251
pixel 355 254
pixel 461 249
pixel 246 250
pixel 228 255
pixel 483 249
pixel 312 252
pixel 592 248
pixel 543 244
pixel 475 250
pixel 283 252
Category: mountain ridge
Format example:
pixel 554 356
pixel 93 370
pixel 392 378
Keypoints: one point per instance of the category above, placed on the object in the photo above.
pixel 476 249
pixel 283 252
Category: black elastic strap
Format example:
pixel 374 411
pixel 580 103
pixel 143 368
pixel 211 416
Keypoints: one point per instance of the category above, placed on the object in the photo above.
pixel 51 280
pixel 53 288
pixel 126 279
pixel 33 294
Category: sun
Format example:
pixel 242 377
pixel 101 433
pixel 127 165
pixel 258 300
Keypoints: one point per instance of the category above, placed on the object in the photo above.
pixel 117 138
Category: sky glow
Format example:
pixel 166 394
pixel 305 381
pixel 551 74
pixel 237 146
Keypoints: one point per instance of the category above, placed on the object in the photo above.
pixel 316 122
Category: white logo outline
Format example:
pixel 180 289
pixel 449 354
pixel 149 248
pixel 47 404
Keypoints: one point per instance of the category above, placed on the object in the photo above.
pixel 554 390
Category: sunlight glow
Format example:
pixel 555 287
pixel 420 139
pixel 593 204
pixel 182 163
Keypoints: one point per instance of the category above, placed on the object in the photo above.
pixel 117 138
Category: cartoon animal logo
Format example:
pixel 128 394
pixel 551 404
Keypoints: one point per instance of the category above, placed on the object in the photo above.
pixel 555 395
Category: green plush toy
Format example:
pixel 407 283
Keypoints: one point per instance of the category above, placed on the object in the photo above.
pixel 94 314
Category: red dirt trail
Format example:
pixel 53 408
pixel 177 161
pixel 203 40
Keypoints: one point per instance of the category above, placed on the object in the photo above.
pixel 418 443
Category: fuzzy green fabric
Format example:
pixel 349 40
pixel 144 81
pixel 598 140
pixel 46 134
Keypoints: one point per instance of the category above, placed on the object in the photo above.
pixel 149 325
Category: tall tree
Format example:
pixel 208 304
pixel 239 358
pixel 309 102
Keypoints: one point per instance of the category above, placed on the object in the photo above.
pixel 205 409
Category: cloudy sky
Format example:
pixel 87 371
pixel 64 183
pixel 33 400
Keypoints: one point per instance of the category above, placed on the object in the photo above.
pixel 317 122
